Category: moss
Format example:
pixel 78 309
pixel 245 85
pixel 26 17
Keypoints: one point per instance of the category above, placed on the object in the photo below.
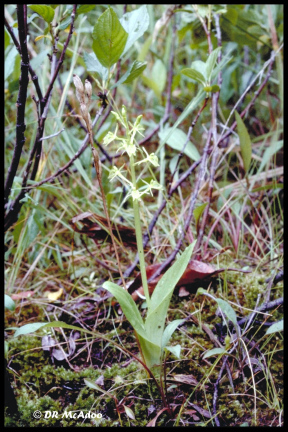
pixel 41 385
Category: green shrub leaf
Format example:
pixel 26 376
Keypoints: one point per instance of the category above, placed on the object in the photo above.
pixel 195 75
pixel 46 12
pixel 177 140
pixel 94 65
pixel 133 72
pixel 211 61
pixel 109 38
pixel 135 23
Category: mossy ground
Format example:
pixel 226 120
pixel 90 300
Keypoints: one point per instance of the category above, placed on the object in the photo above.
pixel 45 386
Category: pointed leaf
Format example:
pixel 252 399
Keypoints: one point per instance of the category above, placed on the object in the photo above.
pixel 150 351
pixel 133 72
pixel 28 328
pixel 129 412
pixel 109 38
pixel 94 65
pixel 46 12
pixel 136 69
pixel 198 212
pixel 211 61
pixel 169 330
pixel 194 74
pixel 200 67
pixel 245 142
pixel 127 304
pixel 175 350
pixel 225 307
pixel 160 299
pixel 228 311
pixel 84 8
pixel 214 351
pixel 276 327
pixel 135 23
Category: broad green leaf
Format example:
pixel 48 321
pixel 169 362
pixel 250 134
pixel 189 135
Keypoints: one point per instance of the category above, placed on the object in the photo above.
pixel 228 311
pixel 85 8
pixel 194 74
pixel 9 303
pixel 133 72
pixel 159 75
pixel 177 140
pixel 203 10
pixel 225 307
pixel 46 12
pixel 169 330
pixel 151 351
pixel 245 142
pixel 211 61
pixel 65 23
pixel 94 65
pixel 28 328
pixel 135 23
pixel 109 38
pixel 189 108
pixel 201 67
pixel 214 351
pixel 276 327
pixel 127 304
pixel 160 299
pixel 175 350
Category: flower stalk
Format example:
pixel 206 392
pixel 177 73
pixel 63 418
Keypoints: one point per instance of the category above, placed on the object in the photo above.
pixel 130 146
pixel 139 240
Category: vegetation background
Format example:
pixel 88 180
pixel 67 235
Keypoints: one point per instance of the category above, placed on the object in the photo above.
pixel 53 273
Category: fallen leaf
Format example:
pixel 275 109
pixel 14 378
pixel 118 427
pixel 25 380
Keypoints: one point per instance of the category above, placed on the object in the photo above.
pixel 183 292
pixel 22 295
pixel 96 227
pixel 195 271
pixel 54 295
pixel 186 379
pixel 152 422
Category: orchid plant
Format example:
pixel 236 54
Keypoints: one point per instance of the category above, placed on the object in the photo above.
pixel 151 336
